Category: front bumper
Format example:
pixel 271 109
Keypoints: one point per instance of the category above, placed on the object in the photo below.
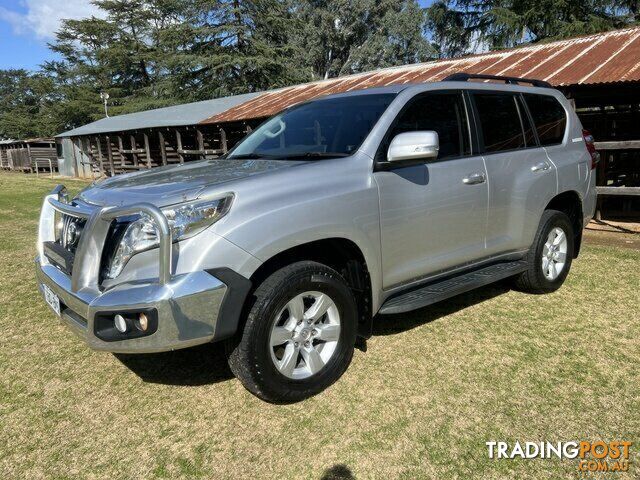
pixel 184 309
pixel 188 308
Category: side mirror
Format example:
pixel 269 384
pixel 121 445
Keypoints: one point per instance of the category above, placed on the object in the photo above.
pixel 414 146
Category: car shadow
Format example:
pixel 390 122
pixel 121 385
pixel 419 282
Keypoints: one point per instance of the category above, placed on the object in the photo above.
pixel 397 323
pixel 207 364
pixel 202 365
pixel 338 472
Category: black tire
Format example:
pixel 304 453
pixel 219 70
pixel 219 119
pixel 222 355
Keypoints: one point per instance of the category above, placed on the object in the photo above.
pixel 533 279
pixel 250 355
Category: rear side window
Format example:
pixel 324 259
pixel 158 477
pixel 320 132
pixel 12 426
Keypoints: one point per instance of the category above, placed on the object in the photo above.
pixel 440 112
pixel 500 121
pixel 549 117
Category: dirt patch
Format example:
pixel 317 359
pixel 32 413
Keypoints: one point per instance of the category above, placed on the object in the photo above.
pixel 613 234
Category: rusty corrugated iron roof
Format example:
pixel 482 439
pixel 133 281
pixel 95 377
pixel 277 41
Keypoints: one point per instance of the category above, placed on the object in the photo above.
pixel 601 58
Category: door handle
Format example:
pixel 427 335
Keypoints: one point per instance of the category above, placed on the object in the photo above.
pixel 474 178
pixel 541 167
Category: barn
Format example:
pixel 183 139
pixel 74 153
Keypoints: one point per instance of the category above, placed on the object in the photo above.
pixel 29 155
pixel 600 74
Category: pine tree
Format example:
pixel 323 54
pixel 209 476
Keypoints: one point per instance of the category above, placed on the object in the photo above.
pixel 232 46
pixel 348 36
pixel 120 54
pixel 460 26
pixel 26 103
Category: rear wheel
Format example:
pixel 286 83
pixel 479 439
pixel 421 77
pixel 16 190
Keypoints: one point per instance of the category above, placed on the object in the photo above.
pixel 550 255
pixel 299 334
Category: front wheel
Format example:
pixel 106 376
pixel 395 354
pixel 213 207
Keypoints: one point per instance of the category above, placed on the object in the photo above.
pixel 299 334
pixel 550 255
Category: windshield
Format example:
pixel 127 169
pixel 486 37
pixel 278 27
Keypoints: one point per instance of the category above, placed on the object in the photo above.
pixel 334 127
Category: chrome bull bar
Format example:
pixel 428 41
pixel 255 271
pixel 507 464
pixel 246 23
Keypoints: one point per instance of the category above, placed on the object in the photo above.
pixel 86 267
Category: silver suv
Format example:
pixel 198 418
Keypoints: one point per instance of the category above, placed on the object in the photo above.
pixel 347 207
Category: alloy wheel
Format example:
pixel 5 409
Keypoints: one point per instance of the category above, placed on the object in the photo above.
pixel 305 335
pixel 554 254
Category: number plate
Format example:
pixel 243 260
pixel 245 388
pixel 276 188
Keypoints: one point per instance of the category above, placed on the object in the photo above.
pixel 52 299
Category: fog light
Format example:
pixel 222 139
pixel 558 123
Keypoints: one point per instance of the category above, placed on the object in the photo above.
pixel 120 323
pixel 142 322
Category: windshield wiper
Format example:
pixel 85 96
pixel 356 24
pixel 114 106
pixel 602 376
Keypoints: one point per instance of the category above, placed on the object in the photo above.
pixel 250 156
pixel 291 156
pixel 304 155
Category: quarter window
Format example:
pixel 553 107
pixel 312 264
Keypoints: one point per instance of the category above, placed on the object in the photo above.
pixel 549 117
pixel 500 121
pixel 443 113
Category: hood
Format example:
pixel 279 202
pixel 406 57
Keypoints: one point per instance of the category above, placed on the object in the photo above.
pixel 176 183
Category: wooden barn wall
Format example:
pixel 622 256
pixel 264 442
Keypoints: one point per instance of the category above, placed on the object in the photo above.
pixel 612 114
pixel 120 152
pixel 29 156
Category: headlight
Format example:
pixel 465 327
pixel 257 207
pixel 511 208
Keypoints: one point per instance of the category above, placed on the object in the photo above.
pixel 185 221
pixel 189 219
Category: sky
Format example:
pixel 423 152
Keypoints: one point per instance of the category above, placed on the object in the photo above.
pixel 27 25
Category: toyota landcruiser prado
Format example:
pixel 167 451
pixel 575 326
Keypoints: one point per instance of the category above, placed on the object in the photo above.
pixel 337 210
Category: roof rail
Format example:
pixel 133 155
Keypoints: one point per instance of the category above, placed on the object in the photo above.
pixel 463 77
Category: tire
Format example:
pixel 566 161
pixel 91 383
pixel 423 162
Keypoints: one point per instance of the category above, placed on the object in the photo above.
pixel 266 370
pixel 538 279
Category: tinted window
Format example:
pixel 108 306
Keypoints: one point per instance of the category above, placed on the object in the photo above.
pixel 549 117
pixel 500 121
pixel 441 112
pixel 318 128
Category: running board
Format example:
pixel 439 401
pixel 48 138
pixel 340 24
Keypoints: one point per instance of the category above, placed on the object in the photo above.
pixel 443 289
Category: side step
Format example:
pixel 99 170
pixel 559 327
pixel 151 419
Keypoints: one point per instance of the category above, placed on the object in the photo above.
pixel 452 286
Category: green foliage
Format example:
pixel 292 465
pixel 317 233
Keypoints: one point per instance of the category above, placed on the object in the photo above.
pixel 460 26
pixel 25 97
pixel 227 47
pixel 122 54
pixel 347 36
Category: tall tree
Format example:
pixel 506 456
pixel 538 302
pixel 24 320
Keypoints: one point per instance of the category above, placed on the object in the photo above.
pixel 26 105
pixel 348 36
pixel 120 54
pixel 459 26
pixel 234 46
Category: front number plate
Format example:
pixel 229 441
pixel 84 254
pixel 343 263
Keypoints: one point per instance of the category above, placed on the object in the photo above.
pixel 52 299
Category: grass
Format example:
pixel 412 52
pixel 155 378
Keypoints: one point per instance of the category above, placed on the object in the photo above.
pixel 433 387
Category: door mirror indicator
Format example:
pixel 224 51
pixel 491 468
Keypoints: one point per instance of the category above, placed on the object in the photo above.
pixel 421 145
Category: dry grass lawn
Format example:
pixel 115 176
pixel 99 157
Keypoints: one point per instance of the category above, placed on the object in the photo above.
pixel 433 387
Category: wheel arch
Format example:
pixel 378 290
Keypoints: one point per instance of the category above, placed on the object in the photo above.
pixel 570 202
pixel 339 253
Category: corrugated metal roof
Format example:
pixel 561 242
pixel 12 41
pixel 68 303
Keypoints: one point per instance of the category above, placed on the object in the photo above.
pixel 176 116
pixel 602 58
pixel 27 140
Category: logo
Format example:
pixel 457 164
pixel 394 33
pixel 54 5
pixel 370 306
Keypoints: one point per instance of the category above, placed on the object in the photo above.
pixel 593 456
